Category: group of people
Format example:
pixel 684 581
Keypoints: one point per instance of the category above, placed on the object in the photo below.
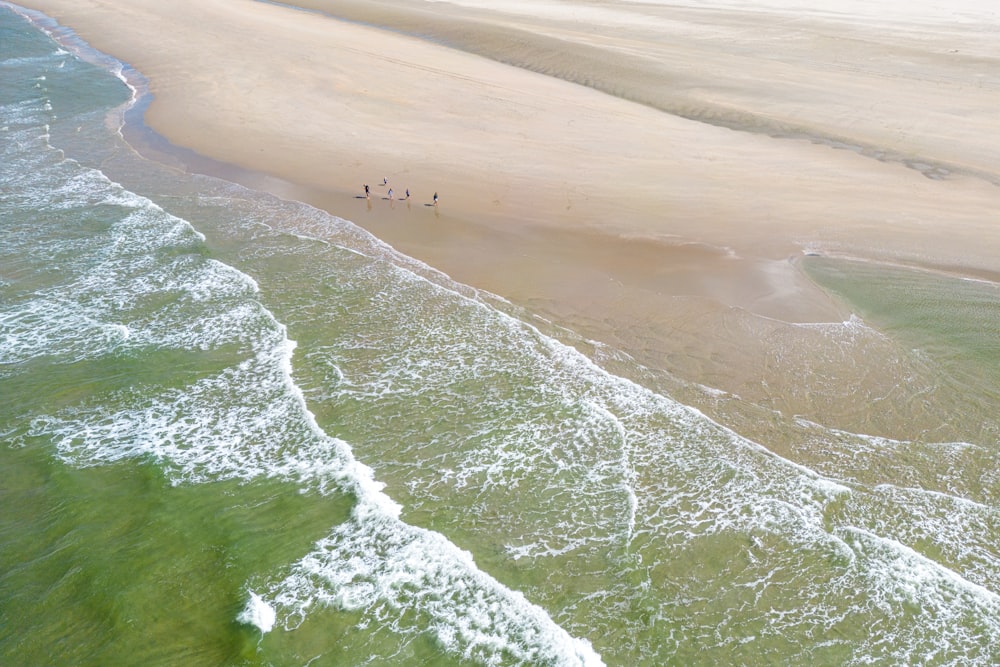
pixel 385 181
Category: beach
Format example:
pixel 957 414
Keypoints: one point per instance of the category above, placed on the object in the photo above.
pixel 734 142
pixel 686 330
pixel 710 148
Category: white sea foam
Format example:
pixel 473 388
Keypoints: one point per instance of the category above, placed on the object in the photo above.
pixel 897 576
pixel 185 430
pixel 668 474
pixel 408 579
pixel 247 421
pixel 912 571
pixel 258 613
pixel 693 478
pixel 97 311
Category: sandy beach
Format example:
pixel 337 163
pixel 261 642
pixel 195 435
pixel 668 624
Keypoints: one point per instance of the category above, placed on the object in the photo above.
pixel 645 174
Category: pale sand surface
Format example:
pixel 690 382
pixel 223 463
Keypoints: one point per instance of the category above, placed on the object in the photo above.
pixel 650 181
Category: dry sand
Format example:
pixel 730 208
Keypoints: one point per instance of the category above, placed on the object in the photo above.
pixel 642 173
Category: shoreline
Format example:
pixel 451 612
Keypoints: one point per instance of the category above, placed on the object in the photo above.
pixel 646 231
pixel 569 196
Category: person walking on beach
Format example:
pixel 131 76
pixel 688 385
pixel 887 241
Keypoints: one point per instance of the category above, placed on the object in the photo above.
pixel 407 193
pixel 435 199
pixel 390 194
pixel 367 192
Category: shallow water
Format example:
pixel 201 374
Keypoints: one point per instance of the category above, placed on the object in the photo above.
pixel 218 406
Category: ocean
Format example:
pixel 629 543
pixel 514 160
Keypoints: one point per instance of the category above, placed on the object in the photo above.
pixel 236 429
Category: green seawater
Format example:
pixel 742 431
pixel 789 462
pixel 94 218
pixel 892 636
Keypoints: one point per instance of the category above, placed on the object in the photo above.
pixel 952 320
pixel 114 565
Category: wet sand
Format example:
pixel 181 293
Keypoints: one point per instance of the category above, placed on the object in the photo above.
pixel 649 176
